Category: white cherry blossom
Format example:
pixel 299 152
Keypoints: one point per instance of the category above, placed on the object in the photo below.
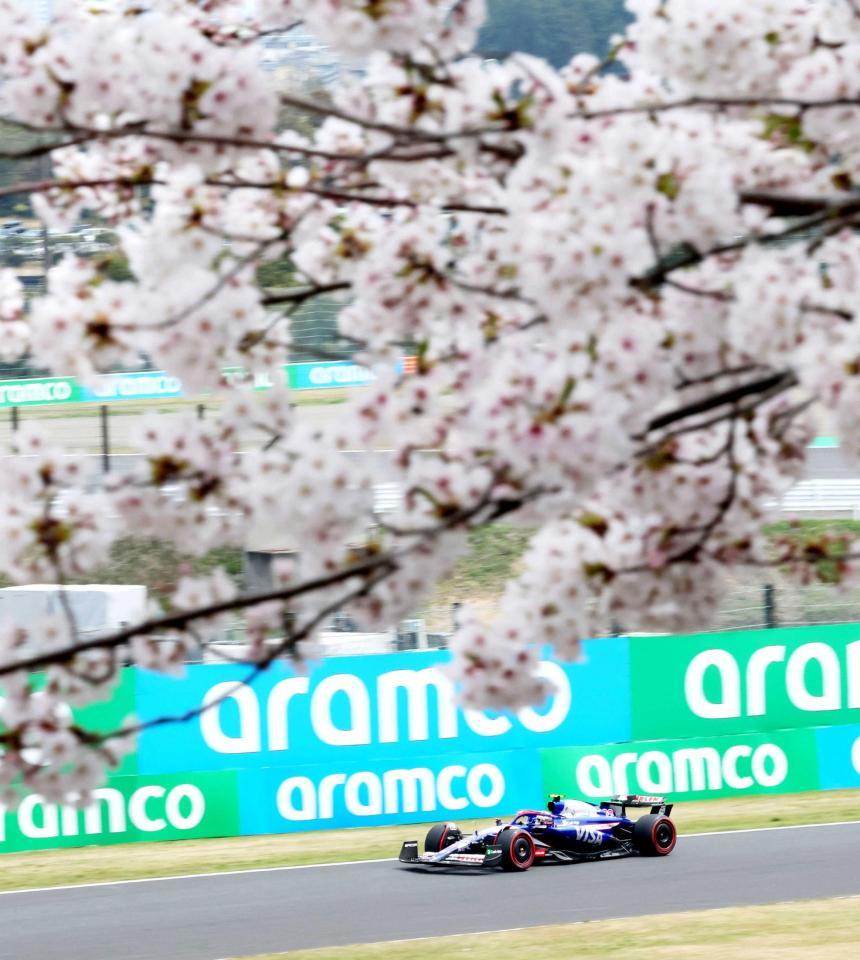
pixel 627 293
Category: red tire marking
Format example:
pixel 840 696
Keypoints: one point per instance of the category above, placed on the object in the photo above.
pixel 663 851
pixel 442 838
pixel 531 843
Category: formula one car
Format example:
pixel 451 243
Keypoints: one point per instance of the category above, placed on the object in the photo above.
pixel 568 831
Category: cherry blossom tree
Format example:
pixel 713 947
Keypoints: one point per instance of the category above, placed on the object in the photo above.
pixel 628 285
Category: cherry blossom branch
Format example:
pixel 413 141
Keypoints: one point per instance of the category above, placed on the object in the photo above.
pixel 685 381
pixel 410 146
pixel 45 186
pixel 42 149
pixel 405 137
pixel 288 644
pixel 337 196
pixel 299 295
pixel 719 295
pixel 248 37
pixel 813 308
pixel 512 293
pixel 179 620
pixel 765 387
pixel 718 102
pixel 341 196
pixel 728 451
pixel 689 256
pixel 793 205
pixel 785 417
pixel 409 133
pixel 79 136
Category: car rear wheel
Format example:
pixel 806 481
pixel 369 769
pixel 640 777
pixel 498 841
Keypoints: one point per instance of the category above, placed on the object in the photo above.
pixel 518 849
pixel 440 836
pixel 654 835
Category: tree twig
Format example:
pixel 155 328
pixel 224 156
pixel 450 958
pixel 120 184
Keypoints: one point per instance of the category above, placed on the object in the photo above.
pixel 766 387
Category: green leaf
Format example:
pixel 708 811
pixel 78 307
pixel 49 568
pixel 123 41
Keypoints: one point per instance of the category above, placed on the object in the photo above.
pixel 669 185
pixel 789 129
pixel 594 522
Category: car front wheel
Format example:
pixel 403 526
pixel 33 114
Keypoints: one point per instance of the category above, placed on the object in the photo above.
pixel 518 849
pixel 440 836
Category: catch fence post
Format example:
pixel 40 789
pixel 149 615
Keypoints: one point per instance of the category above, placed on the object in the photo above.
pixel 103 417
pixel 769 606
pixel 456 607
pixel 14 416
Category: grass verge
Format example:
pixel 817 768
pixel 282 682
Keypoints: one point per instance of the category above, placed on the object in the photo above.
pixel 823 929
pixel 135 861
pixel 135 408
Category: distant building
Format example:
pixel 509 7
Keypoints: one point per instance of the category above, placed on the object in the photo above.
pixel 304 56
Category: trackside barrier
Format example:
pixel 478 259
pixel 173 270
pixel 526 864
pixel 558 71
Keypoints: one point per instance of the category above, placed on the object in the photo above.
pixel 158 385
pixel 380 739
pixel 128 809
pixel 782 761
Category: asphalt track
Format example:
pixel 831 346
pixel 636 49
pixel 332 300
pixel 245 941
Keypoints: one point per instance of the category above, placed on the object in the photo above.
pixel 228 915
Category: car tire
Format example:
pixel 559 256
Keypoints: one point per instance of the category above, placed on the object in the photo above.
pixel 518 850
pixel 440 836
pixel 654 836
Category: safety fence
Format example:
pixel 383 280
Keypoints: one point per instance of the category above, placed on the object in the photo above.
pixel 362 741
pixel 101 418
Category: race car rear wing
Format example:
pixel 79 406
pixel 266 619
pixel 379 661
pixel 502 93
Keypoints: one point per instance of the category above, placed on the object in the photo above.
pixel 619 804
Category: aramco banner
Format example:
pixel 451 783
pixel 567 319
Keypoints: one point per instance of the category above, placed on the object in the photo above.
pixel 380 739
pixel 158 385
pixel 716 683
pixel 128 809
pixel 375 739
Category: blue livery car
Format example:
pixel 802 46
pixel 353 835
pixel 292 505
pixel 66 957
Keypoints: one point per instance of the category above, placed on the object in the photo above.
pixel 567 831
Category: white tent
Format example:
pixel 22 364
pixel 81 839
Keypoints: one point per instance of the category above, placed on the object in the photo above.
pixel 98 608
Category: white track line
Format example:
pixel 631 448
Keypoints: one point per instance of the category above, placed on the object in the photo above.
pixel 788 826
pixel 194 876
pixel 355 863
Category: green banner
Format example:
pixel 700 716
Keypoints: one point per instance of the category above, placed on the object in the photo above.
pixel 128 809
pixel 719 683
pixel 31 393
pixel 781 762
pixel 113 714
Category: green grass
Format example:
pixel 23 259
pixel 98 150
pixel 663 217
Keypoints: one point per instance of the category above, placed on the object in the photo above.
pixel 134 861
pixel 496 550
pixel 158 565
pixel 814 929
pixel 480 574
pixel 811 528
pixel 495 553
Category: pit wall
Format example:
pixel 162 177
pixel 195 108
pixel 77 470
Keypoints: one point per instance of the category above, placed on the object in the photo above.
pixel 363 741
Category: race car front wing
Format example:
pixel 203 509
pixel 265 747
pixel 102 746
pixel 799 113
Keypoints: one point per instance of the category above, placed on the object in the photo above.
pixel 451 857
